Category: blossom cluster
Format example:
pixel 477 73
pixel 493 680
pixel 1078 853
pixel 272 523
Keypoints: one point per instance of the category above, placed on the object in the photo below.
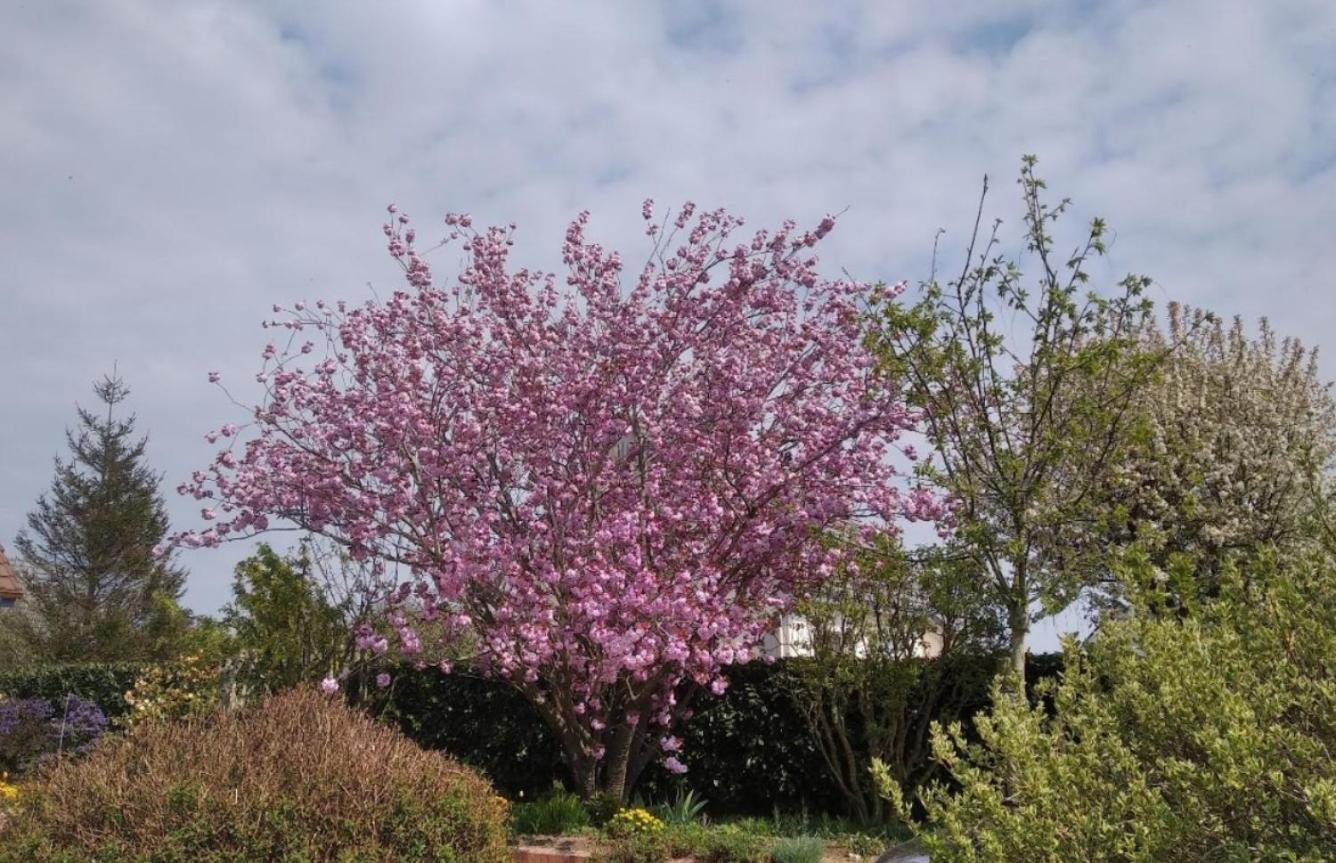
pixel 611 482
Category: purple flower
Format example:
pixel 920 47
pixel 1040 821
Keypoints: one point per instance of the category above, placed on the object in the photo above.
pixel 329 686
pixel 383 680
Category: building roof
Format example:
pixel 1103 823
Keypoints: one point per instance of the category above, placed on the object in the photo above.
pixel 9 583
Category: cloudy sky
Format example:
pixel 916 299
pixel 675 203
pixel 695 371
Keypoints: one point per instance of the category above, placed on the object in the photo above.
pixel 171 169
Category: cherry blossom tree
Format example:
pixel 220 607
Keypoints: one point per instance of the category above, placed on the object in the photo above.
pixel 612 484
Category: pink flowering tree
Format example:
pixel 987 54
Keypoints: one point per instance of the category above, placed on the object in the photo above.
pixel 610 484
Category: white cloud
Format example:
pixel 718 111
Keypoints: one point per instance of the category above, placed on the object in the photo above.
pixel 173 168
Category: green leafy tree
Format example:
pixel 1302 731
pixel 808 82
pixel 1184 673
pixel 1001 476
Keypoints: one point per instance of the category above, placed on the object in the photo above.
pixel 896 642
pixel 285 629
pixel 1202 737
pixel 1026 397
pixel 95 590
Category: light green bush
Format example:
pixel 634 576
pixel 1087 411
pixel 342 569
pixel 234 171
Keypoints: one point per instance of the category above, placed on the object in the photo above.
pixel 1196 737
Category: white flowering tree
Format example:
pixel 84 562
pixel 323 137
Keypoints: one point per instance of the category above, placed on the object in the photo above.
pixel 1236 435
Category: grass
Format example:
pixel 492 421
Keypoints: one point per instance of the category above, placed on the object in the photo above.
pixel 556 813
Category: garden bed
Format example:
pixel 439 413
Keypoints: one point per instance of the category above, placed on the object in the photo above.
pixel 575 849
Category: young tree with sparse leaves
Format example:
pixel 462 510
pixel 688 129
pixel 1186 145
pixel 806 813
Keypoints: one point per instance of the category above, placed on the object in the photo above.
pixel 1026 395
pixel 95 588
pixel 897 641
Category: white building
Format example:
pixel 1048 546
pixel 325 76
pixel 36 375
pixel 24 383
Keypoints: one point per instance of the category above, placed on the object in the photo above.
pixel 793 638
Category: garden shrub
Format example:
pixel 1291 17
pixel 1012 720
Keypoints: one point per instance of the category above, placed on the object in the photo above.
pixel 748 751
pixel 186 687
pixel 636 848
pixel 556 812
pixel 727 843
pixel 483 722
pixel 33 729
pixel 103 683
pixel 1201 736
pixel 299 777
pixel 633 822
pixel 799 849
pixel 686 807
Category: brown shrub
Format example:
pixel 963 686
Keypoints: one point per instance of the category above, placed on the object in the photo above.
pixel 297 778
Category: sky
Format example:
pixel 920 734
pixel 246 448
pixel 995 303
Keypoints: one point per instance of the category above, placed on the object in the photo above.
pixel 172 169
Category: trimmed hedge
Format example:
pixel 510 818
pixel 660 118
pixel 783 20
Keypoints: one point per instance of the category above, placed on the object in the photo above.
pixel 748 751
pixel 103 683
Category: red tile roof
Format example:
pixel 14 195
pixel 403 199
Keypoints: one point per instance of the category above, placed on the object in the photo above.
pixel 9 584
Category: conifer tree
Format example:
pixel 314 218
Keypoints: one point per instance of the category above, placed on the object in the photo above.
pixel 94 585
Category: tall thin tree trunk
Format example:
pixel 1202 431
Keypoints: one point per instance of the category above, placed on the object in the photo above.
pixel 1018 622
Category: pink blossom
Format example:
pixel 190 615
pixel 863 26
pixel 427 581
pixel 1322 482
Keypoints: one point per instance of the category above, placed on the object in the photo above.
pixel 612 480
pixel 329 686
pixel 672 765
pixel 383 680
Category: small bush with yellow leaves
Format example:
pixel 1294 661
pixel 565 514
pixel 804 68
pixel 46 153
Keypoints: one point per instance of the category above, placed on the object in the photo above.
pixel 633 822
pixel 173 690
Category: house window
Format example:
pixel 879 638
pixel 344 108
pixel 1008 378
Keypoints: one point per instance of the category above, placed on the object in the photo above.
pixel 6 602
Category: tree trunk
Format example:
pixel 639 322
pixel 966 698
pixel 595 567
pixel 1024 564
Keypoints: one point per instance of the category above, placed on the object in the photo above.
pixel 618 762
pixel 1018 622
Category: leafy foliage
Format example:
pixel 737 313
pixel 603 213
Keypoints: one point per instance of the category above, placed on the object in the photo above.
pixel 168 691
pixel 286 630
pixel 95 587
pixel 556 812
pixel 727 843
pixel 685 807
pixel 636 848
pixel 749 750
pixel 868 692
pixel 1027 400
pixel 298 777
pixel 1205 737
pixel 104 684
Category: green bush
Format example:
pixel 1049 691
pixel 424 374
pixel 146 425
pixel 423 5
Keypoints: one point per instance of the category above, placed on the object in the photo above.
pixel 557 812
pixel 1199 736
pixel 804 849
pixel 103 683
pixel 728 843
pixel 639 848
pixel 296 778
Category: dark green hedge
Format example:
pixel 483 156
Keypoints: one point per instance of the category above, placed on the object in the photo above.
pixel 104 683
pixel 748 751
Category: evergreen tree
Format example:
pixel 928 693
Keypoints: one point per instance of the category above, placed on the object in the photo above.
pixel 94 586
